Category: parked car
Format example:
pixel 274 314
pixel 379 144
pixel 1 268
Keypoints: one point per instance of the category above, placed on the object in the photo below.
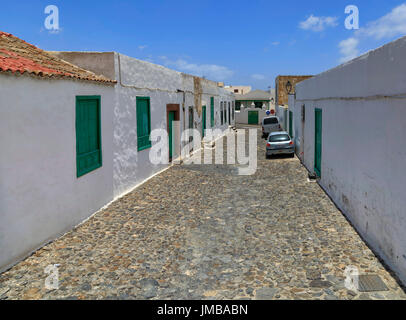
pixel 280 143
pixel 270 124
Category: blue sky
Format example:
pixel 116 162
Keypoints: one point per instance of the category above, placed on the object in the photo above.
pixel 238 42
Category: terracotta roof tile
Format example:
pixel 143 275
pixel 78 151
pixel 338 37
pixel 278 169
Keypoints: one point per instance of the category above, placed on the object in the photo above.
pixel 16 55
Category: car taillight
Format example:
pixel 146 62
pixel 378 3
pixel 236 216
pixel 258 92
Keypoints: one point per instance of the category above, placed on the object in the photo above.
pixel 290 143
pixel 263 129
pixel 268 144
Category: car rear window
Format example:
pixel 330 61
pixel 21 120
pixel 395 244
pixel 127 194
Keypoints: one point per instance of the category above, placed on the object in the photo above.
pixel 279 138
pixel 271 121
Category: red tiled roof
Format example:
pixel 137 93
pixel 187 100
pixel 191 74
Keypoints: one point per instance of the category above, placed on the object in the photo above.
pixel 16 55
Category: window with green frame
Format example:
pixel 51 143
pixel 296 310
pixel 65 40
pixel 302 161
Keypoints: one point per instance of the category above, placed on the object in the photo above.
pixel 88 134
pixel 143 123
pixel 238 105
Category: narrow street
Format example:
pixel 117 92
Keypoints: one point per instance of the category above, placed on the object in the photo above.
pixel 204 232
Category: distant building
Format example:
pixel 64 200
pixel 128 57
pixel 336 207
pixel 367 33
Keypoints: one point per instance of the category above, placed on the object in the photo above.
pixel 238 89
pixel 285 85
pixel 251 108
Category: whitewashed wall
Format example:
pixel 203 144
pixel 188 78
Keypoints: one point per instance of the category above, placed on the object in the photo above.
pixel 131 167
pixel 40 196
pixel 283 116
pixel 364 145
pixel 242 115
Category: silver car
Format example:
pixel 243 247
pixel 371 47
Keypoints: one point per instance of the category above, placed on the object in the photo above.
pixel 270 124
pixel 280 143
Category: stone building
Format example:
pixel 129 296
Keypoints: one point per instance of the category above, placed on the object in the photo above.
pixel 285 85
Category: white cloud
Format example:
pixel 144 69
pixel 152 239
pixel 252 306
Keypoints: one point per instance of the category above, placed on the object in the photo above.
pixel 349 49
pixel 257 76
pixel 390 25
pixel 210 71
pixel 142 47
pixel 275 43
pixel 318 24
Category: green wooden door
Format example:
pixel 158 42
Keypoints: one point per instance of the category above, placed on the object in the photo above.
pixel 203 120
pixel 143 123
pixel 88 134
pixel 171 118
pixel 318 141
pixel 252 117
pixel 285 119
pixel 290 123
pixel 212 112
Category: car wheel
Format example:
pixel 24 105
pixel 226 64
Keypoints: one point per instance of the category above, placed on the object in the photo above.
pixel 267 156
pixel 292 155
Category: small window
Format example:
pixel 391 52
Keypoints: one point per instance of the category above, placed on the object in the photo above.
pixel 258 104
pixel 279 138
pixel 237 105
pixel 143 123
pixel 88 134
pixel 235 90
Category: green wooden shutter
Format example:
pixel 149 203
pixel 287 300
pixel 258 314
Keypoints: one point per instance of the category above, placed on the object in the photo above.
pixel 88 134
pixel 291 124
pixel 212 111
pixel 143 123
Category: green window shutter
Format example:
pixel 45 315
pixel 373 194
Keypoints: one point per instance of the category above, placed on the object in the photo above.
pixel 88 134
pixel 212 111
pixel 143 123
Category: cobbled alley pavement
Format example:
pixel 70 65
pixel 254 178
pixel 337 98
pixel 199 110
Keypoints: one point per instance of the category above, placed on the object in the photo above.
pixel 204 232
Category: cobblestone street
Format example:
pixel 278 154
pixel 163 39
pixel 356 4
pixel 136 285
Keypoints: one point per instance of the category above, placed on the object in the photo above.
pixel 204 232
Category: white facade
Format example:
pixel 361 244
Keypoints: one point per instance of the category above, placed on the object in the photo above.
pixel 163 86
pixel 363 159
pixel 242 115
pixel 40 195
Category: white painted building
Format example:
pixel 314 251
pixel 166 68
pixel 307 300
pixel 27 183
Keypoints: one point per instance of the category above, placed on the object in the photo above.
pixel 351 126
pixel 41 195
pixel 252 107
pixel 71 140
pixel 166 90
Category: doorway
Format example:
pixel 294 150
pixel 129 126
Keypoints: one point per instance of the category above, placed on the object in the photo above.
pixel 203 120
pixel 317 140
pixel 291 124
pixel 229 114
pixel 252 117
pixel 172 114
